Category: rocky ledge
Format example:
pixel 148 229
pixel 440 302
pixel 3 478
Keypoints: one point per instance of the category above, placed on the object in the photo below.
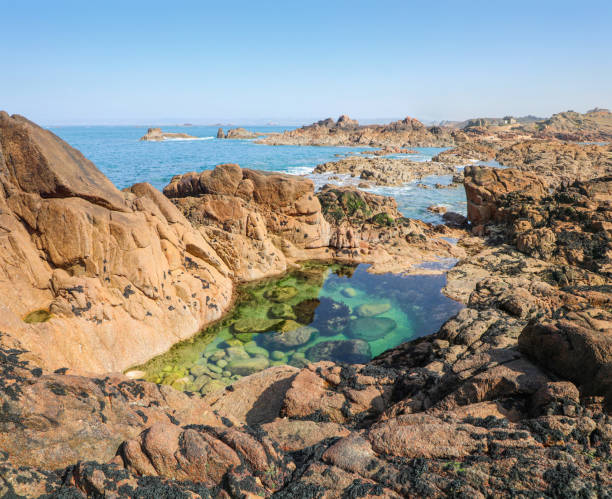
pixel 510 398
pixel 386 171
pixel 156 135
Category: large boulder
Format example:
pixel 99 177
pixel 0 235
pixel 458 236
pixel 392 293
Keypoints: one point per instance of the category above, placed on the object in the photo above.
pixel 580 354
pixel 485 187
pixel 113 277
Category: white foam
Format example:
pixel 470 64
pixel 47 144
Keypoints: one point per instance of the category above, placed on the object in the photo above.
pixel 299 170
pixel 182 139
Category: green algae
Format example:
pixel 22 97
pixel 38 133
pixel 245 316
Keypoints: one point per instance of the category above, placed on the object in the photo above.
pixel 310 314
pixel 37 316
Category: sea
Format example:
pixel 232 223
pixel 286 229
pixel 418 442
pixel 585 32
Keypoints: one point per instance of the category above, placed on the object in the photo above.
pixel 125 160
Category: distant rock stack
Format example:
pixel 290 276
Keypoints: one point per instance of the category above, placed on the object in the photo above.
pixel 220 134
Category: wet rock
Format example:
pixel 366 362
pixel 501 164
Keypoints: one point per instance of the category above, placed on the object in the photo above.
pixel 305 310
pixel 288 340
pixel 350 292
pixel 253 325
pixel 281 311
pixel 349 351
pixel 372 309
pixel 244 367
pixel 281 294
pixel 332 317
pixel 370 328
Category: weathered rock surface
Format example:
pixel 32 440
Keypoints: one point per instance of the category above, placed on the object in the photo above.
pixel 558 162
pixel 593 126
pixel 120 276
pixel 157 135
pixel 485 186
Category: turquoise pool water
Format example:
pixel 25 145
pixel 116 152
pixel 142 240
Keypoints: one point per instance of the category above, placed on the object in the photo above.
pixel 320 312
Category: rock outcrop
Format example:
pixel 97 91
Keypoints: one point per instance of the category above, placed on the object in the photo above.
pixel 558 162
pixel 485 187
pixel 593 126
pixel 260 223
pixel 408 132
pixel 156 135
pixel 386 171
pixel 92 277
pixel 238 133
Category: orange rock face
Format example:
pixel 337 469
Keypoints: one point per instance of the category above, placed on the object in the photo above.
pixel 485 186
pixel 120 276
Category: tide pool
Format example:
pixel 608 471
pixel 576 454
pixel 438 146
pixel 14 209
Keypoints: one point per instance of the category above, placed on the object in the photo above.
pixel 319 312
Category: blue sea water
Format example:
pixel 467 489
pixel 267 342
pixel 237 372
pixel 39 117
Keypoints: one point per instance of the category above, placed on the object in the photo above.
pixel 119 154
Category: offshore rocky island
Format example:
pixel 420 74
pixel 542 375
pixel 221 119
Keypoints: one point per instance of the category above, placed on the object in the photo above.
pixel 504 390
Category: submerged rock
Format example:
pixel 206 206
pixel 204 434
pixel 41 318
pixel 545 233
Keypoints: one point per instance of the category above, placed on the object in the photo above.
pixel 282 311
pixel 372 309
pixel 289 339
pixel 332 317
pixel 244 367
pixel 254 325
pixel 349 351
pixel 281 294
pixel 370 328
pixel 305 310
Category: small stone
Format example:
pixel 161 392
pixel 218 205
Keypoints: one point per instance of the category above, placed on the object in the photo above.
pixel 222 363
pixel 215 369
pixel 198 370
pixel 219 354
pixel 255 350
pixel 350 292
pixel 277 355
pixel 234 353
pixel 244 367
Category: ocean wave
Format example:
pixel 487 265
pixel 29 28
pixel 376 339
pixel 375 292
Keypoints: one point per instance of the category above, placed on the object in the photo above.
pixel 299 170
pixel 189 139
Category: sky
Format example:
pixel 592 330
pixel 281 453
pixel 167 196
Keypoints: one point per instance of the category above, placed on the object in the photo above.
pixel 205 62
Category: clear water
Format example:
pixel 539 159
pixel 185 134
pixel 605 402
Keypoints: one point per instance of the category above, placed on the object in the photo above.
pixel 117 151
pixel 327 312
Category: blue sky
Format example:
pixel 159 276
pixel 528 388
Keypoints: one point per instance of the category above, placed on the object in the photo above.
pixel 163 62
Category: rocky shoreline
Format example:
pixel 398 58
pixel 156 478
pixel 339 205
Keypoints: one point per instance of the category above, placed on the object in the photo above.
pixel 405 133
pixel 386 171
pixel 510 398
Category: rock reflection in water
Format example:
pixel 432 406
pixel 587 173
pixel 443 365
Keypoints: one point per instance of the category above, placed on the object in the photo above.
pixel 319 312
